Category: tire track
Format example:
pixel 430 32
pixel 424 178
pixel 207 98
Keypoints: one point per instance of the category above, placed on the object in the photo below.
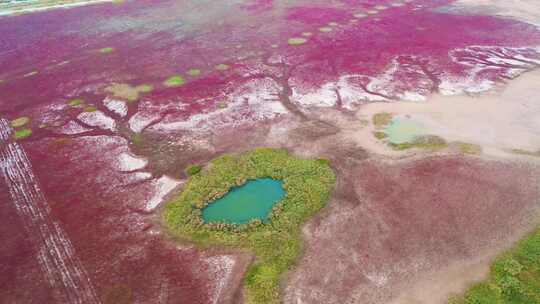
pixel 55 253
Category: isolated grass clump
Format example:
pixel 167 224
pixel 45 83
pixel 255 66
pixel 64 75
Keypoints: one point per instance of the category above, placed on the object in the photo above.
pixel 193 170
pixel 174 81
pixel 380 120
pixel 22 133
pixel 76 102
pixel 106 50
pixel 276 244
pixel 468 148
pixel 514 277
pixel 426 142
pixel 380 135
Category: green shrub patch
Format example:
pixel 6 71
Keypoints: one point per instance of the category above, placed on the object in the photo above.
pixel 276 244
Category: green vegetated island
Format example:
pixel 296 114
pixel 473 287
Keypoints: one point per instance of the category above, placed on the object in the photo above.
pixel 514 277
pixel 274 240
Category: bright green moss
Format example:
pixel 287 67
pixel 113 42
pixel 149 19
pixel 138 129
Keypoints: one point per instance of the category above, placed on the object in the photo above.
pixel 174 81
pixel 76 102
pixel 22 133
pixel 106 50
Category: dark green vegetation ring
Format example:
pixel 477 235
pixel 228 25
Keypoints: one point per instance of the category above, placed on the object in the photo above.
pixel 276 244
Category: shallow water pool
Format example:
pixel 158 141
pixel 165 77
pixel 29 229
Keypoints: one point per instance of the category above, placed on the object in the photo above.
pixel 253 200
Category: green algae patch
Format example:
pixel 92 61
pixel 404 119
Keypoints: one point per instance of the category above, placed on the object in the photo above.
pixel 222 67
pixel 193 72
pixel 468 148
pixel 325 29
pixel 276 244
pixel 360 15
pixel 333 24
pixel 307 34
pixel 76 102
pixel 106 50
pixel 296 41
pixel 525 152
pixel 89 109
pixel 128 92
pixel 144 88
pixel 174 81
pixel 382 119
pixel 22 133
pixel 380 135
pixel 193 170
pixel 425 142
pixel 20 122
pixel 514 277
pixel 137 139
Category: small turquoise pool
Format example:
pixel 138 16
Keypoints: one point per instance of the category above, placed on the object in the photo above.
pixel 403 130
pixel 253 200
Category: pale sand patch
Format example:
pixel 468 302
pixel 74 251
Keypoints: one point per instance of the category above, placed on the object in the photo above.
pixel 129 162
pixel 98 119
pixel 499 121
pixel 525 10
pixel 126 91
pixel 163 186
pixel 117 106
pixel 221 267
pixel 16 8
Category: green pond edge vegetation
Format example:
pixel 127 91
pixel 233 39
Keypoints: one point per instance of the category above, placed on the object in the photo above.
pixel 514 277
pixel 308 184
pixel 427 142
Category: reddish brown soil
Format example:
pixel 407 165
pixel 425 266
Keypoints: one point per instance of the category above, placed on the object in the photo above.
pixel 404 219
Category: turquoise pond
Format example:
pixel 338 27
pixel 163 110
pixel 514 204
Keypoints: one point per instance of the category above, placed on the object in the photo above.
pixel 403 130
pixel 253 200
